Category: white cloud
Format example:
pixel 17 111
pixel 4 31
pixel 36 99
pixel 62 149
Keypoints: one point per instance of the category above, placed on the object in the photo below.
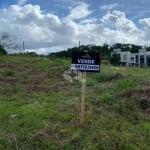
pixel 39 30
pixel 125 31
pixel 46 32
pixel 88 21
pixel 22 2
pixel 109 7
pixel 145 22
pixel 80 11
pixel 119 20
pixel 146 32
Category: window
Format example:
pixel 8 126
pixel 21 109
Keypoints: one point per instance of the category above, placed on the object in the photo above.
pixel 124 57
pixel 131 58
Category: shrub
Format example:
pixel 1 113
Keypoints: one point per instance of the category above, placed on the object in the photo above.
pixel 107 98
pixel 125 84
pixel 115 59
pixel 2 50
pixel 10 73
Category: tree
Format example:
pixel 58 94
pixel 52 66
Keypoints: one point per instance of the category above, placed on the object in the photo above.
pixel 7 42
pixel 115 59
pixel 2 50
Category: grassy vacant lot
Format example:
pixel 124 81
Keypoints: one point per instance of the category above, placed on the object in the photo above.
pixel 39 110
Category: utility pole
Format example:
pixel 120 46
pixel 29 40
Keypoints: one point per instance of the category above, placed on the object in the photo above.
pixel 23 46
pixel 79 43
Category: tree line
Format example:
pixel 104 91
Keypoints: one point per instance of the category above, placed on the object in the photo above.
pixel 105 50
pixel 6 41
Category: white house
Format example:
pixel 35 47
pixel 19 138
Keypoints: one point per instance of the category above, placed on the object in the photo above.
pixel 125 58
pixel 142 58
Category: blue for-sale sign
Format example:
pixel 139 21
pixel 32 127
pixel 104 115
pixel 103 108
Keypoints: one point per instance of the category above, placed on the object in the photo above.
pixel 86 61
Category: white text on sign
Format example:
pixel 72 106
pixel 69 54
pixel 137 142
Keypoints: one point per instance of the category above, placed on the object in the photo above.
pixel 85 61
pixel 85 67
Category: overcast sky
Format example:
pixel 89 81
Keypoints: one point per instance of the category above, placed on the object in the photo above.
pixel 52 25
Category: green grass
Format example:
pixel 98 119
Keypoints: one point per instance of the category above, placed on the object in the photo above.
pixel 126 83
pixel 39 110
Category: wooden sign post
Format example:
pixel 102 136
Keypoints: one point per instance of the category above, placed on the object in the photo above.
pixel 85 62
pixel 82 112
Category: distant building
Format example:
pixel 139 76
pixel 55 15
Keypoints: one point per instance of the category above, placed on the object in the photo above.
pixel 142 58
